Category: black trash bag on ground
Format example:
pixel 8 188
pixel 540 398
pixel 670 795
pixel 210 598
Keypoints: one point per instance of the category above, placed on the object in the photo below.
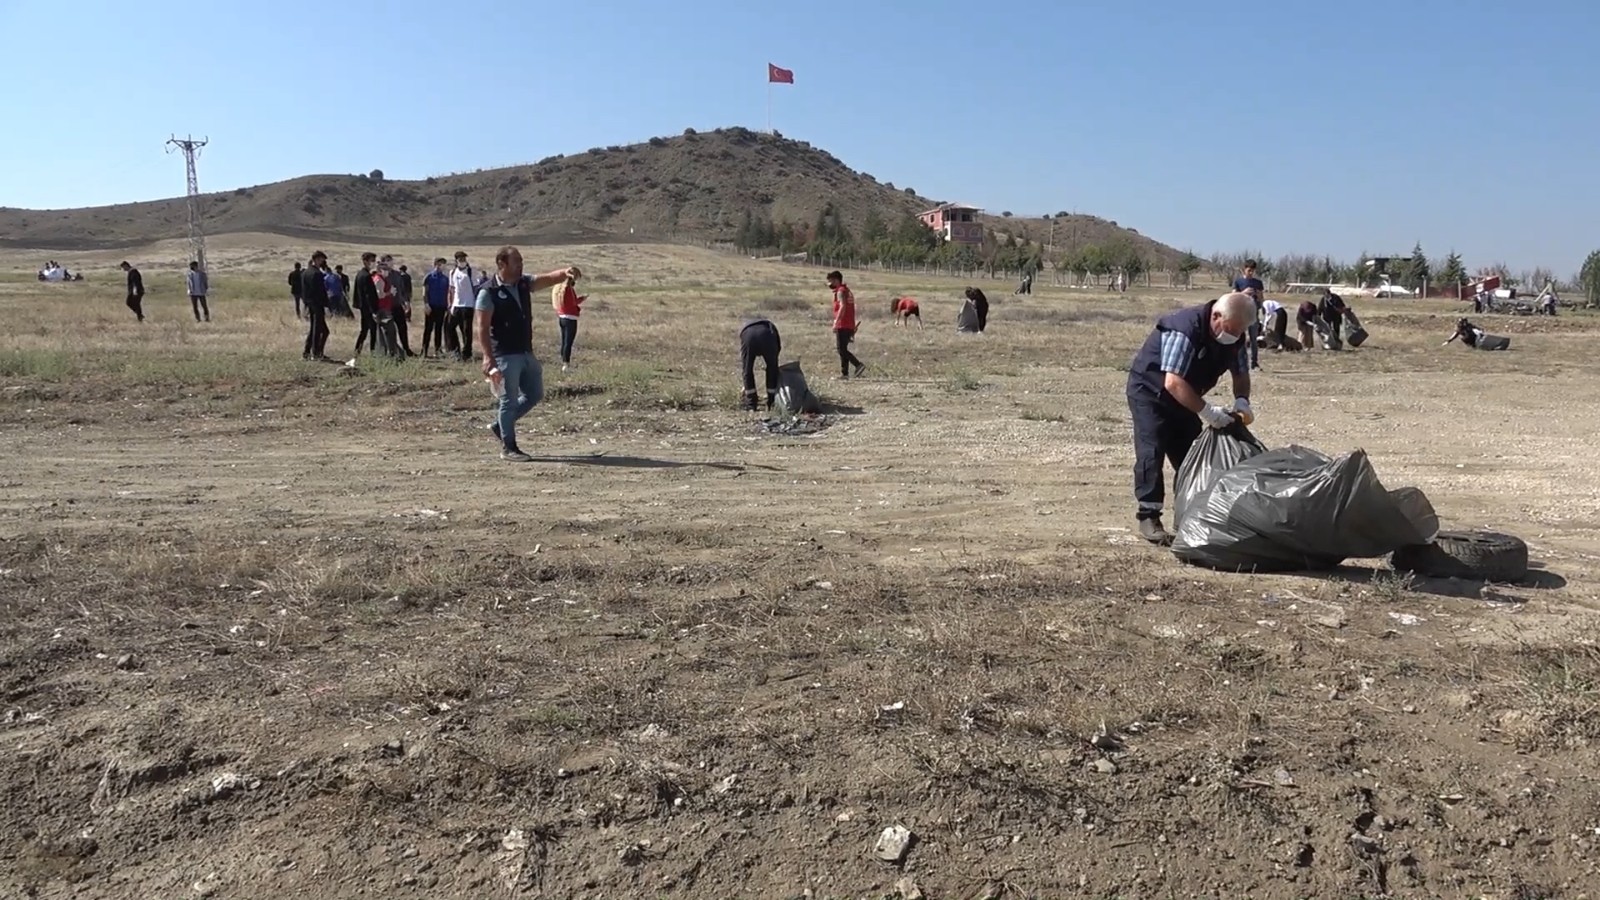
pixel 794 396
pixel 1290 509
pixel 1213 453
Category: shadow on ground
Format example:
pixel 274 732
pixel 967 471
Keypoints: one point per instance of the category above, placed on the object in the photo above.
pixel 1538 578
pixel 644 462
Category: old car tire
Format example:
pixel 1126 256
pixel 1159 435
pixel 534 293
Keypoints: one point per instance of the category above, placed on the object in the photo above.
pixel 1478 555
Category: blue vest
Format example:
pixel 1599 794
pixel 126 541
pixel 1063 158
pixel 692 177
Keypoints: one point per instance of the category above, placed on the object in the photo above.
pixel 511 320
pixel 1211 359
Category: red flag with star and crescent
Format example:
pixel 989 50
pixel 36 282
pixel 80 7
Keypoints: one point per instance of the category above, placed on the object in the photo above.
pixel 776 75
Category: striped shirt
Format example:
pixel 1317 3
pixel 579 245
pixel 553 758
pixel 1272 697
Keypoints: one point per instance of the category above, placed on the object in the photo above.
pixel 1177 354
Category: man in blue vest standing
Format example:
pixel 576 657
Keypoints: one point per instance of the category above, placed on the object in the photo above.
pixel 505 334
pixel 1183 359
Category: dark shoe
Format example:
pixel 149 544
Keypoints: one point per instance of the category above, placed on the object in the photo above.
pixel 494 429
pixel 515 455
pixel 1151 530
pixel 860 367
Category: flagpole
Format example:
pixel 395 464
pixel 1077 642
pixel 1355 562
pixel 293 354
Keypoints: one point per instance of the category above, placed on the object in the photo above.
pixel 769 102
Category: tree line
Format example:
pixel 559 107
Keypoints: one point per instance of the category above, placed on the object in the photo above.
pixel 905 242
pixel 1413 272
pixel 908 242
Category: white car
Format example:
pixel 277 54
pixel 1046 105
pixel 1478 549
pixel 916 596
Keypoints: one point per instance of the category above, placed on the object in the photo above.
pixel 1386 289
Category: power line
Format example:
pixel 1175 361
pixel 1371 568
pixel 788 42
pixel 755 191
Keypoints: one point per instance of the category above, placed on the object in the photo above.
pixel 197 235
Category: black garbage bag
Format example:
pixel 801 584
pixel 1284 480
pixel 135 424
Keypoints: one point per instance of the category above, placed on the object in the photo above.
pixel 1242 507
pixel 794 396
pixel 1213 453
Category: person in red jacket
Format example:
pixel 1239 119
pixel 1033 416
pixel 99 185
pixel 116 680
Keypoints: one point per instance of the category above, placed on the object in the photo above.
pixel 844 325
pixel 566 302
pixel 904 309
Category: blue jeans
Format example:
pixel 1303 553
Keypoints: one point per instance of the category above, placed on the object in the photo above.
pixel 524 384
pixel 1255 345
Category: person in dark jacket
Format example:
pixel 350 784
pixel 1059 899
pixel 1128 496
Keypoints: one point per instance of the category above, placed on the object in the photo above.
pixel 1305 319
pixel 135 290
pixel 365 299
pixel 436 295
pixel 402 309
pixel 1332 310
pixel 297 289
pixel 505 332
pixel 1183 359
pixel 981 304
pixel 344 293
pixel 759 339
pixel 314 292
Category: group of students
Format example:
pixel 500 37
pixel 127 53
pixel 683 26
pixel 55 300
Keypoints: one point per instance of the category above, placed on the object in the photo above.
pixel 1270 331
pixel 381 296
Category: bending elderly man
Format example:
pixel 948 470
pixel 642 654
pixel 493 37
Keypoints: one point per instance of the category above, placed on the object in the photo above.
pixel 1182 360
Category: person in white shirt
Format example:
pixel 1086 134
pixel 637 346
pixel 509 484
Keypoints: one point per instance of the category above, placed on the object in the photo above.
pixel 1277 324
pixel 198 286
pixel 464 284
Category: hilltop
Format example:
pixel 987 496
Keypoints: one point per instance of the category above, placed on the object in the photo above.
pixel 694 185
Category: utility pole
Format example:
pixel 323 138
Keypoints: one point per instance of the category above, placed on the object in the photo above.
pixel 197 235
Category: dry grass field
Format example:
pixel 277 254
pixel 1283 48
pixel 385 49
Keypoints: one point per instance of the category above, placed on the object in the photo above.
pixel 271 629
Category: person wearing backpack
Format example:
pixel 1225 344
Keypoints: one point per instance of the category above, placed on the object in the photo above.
pixel 504 314
pixel 463 294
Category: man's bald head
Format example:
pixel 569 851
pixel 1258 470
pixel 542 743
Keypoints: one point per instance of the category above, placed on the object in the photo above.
pixel 1236 308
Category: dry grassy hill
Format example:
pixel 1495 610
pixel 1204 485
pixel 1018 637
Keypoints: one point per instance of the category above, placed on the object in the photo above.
pixel 695 185
pixel 1071 231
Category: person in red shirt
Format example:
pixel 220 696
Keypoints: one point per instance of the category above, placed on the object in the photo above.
pixel 567 303
pixel 386 282
pixel 844 325
pixel 903 309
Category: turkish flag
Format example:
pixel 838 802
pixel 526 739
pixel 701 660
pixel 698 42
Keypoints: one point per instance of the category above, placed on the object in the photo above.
pixel 776 75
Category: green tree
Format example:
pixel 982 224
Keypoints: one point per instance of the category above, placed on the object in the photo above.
pixel 745 237
pixel 1589 279
pixel 1096 261
pixel 1187 266
pixel 1452 273
pixel 873 228
pixel 1416 271
pixel 913 232
pixel 1125 257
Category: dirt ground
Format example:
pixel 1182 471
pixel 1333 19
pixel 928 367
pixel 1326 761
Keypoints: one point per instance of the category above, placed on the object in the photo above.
pixel 270 629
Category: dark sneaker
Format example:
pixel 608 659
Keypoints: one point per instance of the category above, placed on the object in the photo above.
pixel 514 455
pixel 860 368
pixel 494 429
pixel 1151 530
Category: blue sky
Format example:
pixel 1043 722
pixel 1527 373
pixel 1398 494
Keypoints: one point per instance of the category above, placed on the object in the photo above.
pixel 1283 126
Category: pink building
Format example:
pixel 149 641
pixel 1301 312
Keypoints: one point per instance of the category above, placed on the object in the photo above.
pixel 954 222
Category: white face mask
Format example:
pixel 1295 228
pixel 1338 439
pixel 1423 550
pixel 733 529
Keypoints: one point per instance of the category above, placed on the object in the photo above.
pixel 1225 338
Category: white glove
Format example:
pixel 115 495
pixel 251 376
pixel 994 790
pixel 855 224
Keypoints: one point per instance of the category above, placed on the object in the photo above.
pixel 1216 417
pixel 1242 405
